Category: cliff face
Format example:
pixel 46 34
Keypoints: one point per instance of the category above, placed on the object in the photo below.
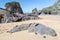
pixel 55 8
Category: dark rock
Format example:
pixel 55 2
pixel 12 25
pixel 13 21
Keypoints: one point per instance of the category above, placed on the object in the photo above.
pixel 44 36
pixel 13 7
pixel 39 12
pixel 35 11
pixel 2 13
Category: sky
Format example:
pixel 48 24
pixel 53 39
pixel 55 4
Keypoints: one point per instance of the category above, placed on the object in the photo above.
pixel 28 5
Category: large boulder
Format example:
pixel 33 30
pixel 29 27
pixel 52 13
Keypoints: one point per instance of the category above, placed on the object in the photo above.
pixel 41 29
pixel 34 27
pixel 35 11
pixel 19 28
pixel 12 13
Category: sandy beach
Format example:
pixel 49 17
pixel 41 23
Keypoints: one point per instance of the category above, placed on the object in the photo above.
pixel 52 21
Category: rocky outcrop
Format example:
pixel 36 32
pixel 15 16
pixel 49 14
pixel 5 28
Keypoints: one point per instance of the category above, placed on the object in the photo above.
pixel 2 13
pixel 11 13
pixel 14 13
pixel 36 12
pixel 54 9
pixel 16 17
pixel 14 7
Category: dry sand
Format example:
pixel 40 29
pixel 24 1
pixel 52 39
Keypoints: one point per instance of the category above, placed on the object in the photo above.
pixel 52 21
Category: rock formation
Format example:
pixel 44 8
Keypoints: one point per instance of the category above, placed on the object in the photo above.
pixel 14 7
pixel 19 28
pixel 54 9
pixel 35 11
pixel 34 27
pixel 41 29
pixel 14 13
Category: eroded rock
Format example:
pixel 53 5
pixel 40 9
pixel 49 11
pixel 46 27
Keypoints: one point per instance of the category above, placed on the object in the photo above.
pixel 19 28
pixel 41 29
pixel 36 28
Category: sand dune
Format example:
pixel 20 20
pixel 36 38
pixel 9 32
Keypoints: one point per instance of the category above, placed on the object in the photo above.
pixel 52 21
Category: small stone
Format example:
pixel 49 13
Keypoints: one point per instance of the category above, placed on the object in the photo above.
pixel 36 33
pixel 44 36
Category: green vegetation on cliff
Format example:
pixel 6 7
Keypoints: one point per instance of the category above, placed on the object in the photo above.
pixel 54 6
